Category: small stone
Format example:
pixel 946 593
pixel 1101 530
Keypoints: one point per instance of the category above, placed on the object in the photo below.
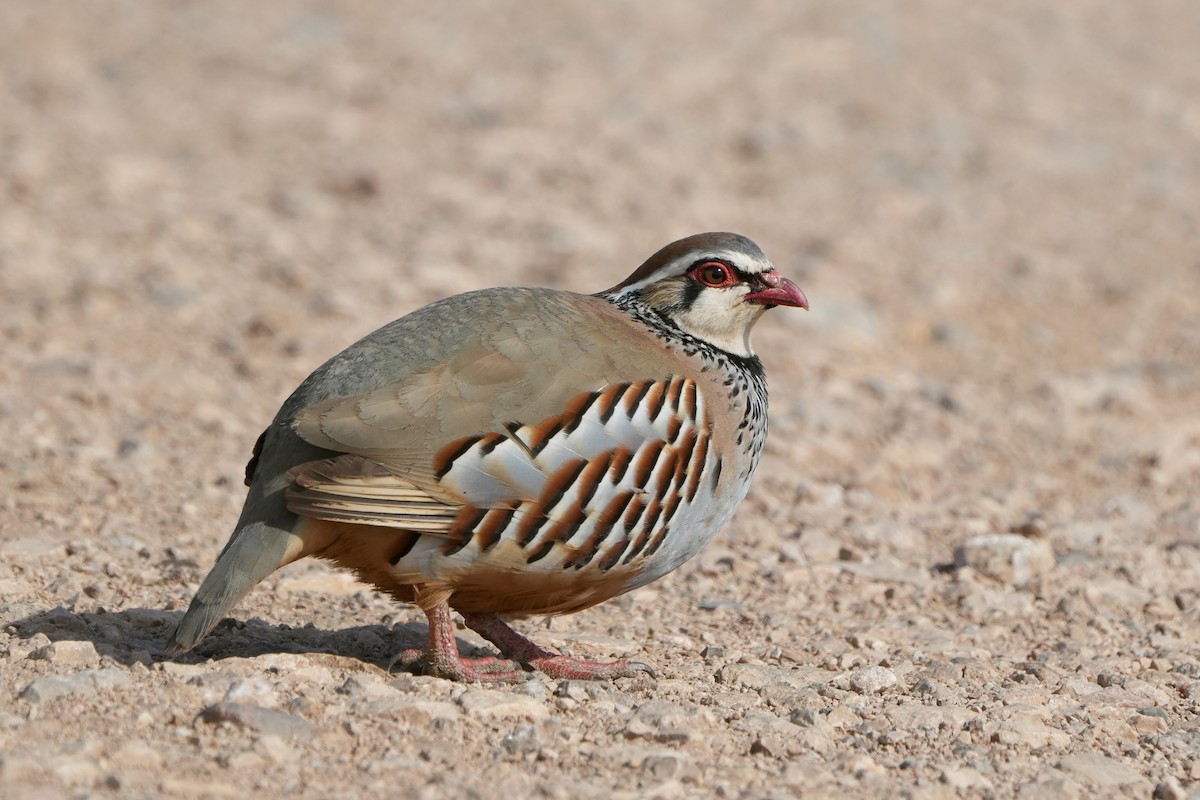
pixel 1101 770
pixel 23 648
pixel 663 767
pixel 275 749
pixel 1170 789
pixel 1007 557
pixel 638 728
pixel 87 681
pixel 574 690
pixel 252 691
pixel 862 766
pixel 523 740
pixel 805 717
pixel 534 687
pixel 1029 731
pixel 662 721
pixel 932 688
pixel 872 680
pixel 1147 722
pixel 67 653
pixel 964 779
pixel 256 718
pixel 489 704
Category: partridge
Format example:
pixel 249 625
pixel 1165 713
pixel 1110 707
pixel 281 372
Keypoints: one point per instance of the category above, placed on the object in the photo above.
pixel 514 452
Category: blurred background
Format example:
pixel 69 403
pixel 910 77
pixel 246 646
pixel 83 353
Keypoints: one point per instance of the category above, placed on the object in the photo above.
pixel 993 209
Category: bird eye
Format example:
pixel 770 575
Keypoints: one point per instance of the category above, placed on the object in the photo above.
pixel 713 273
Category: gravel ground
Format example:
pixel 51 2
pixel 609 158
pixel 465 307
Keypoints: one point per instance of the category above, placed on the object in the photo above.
pixel 970 565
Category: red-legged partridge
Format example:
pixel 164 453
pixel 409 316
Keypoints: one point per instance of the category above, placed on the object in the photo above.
pixel 515 452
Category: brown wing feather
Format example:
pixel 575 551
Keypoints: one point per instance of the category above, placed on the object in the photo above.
pixel 355 490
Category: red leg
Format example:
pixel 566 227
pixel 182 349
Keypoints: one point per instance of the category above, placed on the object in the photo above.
pixel 523 651
pixel 440 657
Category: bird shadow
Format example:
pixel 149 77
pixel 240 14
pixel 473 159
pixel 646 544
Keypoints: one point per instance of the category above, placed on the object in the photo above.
pixel 138 635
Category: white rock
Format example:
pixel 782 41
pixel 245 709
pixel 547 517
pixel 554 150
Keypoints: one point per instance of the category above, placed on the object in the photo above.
pixel 1006 557
pixel 872 680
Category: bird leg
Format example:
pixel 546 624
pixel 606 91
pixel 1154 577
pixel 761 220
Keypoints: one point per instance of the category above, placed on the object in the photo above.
pixel 440 658
pixel 523 651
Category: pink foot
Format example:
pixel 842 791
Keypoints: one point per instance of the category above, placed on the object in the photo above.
pixel 440 657
pixel 525 652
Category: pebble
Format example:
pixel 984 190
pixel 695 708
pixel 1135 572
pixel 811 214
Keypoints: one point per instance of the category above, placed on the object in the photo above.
pixel 872 680
pixel 752 676
pixel 67 653
pixel 259 719
pixel 657 761
pixel 491 704
pixel 919 716
pixel 806 718
pixel 1006 557
pixel 1026 730
pixel 1170 789
pixel 422 713
pixel 1149 721
pixel 275 749
pixel 252 691
pixel 87 681
pixel 964 779
pixel 1102 771
pixel 665 722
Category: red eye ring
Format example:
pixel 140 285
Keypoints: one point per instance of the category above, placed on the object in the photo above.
pixel 715 274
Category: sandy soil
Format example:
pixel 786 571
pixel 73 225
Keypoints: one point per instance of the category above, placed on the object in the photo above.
pixel 994 215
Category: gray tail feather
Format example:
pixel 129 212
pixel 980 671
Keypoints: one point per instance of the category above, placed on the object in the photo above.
pixel 253 553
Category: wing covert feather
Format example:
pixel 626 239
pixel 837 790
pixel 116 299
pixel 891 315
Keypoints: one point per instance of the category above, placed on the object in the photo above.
pixel 526 355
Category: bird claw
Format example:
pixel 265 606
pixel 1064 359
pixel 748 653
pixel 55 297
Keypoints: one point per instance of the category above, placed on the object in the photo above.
pixel 638 666
pixel 568 668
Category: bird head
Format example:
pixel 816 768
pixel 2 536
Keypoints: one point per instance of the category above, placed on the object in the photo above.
pixel 712 286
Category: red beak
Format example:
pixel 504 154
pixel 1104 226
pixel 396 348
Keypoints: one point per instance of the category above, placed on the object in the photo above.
pixel 776 290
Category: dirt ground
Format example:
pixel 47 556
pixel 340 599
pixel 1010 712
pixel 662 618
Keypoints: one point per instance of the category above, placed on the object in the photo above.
pixel 992 208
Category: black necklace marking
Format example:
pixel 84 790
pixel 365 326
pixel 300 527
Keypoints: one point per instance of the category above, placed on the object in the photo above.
pixel 744 375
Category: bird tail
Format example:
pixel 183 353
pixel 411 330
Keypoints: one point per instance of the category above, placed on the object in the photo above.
pixel 253 553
